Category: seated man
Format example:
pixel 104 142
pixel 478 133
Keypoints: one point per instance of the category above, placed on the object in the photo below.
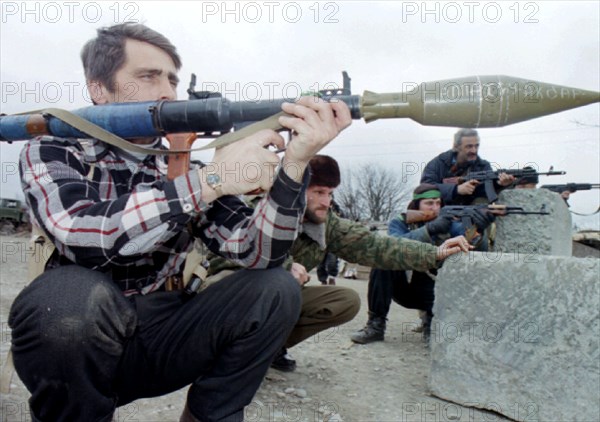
pixel 418 293
pixel 322 231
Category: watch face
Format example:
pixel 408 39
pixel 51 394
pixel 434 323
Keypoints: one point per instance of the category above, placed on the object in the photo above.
pixel 213 179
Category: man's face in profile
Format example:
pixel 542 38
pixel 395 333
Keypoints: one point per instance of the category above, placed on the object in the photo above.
pixel 148 74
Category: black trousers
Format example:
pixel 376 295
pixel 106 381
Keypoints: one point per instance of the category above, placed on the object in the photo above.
pixel 388 285
pixel 327 267
pixel 82 348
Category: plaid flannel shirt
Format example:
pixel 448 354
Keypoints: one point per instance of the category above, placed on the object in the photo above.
pixel 125 218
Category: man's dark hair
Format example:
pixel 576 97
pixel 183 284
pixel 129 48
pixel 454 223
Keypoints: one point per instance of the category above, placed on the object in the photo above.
pixel 104 55
pixel 463 133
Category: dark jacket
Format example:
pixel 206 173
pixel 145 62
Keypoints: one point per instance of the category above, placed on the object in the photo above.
pixel 443 166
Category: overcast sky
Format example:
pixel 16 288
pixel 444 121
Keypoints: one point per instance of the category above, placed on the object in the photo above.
pixel 266 49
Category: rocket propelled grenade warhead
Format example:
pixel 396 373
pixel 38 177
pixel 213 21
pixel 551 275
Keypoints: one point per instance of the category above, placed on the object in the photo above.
pixel 475 101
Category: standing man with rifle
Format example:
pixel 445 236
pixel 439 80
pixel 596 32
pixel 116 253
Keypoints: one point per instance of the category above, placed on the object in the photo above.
pixel 98 329
pixel 462 159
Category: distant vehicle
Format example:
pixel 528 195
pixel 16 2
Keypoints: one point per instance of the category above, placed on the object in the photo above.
pixel 13 210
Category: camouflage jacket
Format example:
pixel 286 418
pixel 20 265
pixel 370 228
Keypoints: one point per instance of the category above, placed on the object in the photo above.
pixel 354 243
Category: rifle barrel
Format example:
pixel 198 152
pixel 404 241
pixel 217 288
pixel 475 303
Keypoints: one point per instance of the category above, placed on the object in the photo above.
pixel 553 173
pixel 571 187
pixel 528 212
pixel 526 172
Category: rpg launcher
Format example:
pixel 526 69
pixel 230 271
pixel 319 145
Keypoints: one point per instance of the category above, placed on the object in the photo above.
pixel 475 101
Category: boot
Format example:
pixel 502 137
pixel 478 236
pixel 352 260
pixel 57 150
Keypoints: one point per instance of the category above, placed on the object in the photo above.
pixel 332 281
pixel 427 327
pixel 187 416
pixel 373 331
pixel 419 328
pixel 283 361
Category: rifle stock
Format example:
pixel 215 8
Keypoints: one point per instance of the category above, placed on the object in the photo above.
pixel 415 216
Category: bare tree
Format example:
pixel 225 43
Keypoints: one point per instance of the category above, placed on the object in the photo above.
pixel 348 197
pixel 372 192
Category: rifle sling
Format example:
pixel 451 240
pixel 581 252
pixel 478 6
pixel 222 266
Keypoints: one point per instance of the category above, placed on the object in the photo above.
pixel 585 215
pixel 271 122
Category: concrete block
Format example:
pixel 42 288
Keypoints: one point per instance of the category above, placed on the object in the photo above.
pixel 534 234
pixel 519 336
pixel 584 251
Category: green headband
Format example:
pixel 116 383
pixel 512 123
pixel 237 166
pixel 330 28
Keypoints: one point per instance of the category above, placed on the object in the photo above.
pixel 428 194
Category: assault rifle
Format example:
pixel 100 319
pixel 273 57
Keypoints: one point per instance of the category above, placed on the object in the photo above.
pixel 488 178
pixel 571 187
pixel 465 213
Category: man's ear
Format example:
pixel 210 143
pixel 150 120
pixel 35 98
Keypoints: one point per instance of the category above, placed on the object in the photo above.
pixel 98 92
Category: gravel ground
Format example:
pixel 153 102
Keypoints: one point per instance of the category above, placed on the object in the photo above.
pixel 335 379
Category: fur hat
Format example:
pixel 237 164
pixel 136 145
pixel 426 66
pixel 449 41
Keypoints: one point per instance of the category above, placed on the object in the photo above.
pixel 324 171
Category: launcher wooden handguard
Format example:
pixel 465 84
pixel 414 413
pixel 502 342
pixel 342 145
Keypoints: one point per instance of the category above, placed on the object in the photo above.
pixel 179 163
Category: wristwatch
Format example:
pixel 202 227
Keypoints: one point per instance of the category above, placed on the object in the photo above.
pixel 214 181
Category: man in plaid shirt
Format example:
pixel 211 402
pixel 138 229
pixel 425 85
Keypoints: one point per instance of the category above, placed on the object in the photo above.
pixel 98 329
